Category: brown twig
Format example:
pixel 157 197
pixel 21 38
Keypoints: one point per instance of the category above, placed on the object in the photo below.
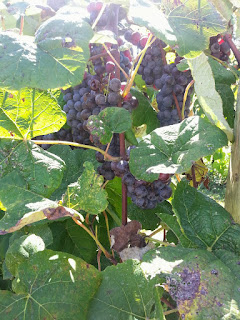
pixel 236 52
pixel 99 259
pixel 167 303
pixel 177 106
pixel 100 55
pixel 21 25
pixel 163 54
pixel 3 23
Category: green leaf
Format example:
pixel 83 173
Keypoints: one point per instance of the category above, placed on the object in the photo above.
pixel 202 285
pixel 221 74
pixel 74 160
pixel 147 217
pixel 84 246
pixel 125 293
pixel 110 120
pixel 224 7
pixel 144 113
pixel 87 193
pixel 61 44
pixel 21 249
pixel 103 36
pixel 228 100
pixel 205 223
pixel 208 97
pixel 172 149
pixel 41 170
pixel 51 285
pixel 29 113
pixel 187 27
pixel 24 207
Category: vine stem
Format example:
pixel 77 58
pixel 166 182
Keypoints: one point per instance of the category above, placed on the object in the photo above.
pixel 164 243
pixel 100 55
pixel 130 83
pixel 155 232
pixel 185 96
pixel 231 44
pixel 117 63
pixel 170 311
pixel 75 144
pixel 3 23
pixel 99 15
pixel 21 25
pixel 106 253
pixel 121 135
pixel 164 300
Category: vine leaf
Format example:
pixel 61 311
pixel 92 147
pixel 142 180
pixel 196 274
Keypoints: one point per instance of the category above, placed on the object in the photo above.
pixel 125 293
pixel 201 284
pixel 50 284
pixel 29 113
pixel 208 97
pixel 110 120
pixel 74 159
pixel 87 193
pixel 144 113
pixel 61 44
pixel 172 149
pixel 204 222
pixel 187 27
pixel 41 170
pixel 24 207
pixel 21 249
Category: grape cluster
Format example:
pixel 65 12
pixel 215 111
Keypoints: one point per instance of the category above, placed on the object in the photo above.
pixel 172 84
pixel 62 135
pixel 151 67
pixel 105 169
pixel 146 195
pixel 88 99
pixel 219 48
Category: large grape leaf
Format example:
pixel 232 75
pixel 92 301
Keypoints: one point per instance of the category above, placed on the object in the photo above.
pixel 204 222
pixel 187 27
pixel 29 113
pixel 51 285
pixel 109 121
pixel 57 58
pixel 41 170
pixel 21 249
pixel 74 160
pixel 23 206
pixel 144 113
pixel 172 149
pixel 125 293
pixel 87 193
pixel 208 97
pixel 203 286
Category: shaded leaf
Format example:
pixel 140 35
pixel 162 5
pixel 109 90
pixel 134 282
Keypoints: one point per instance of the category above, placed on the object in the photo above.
pixel 125 293
pixel 49 285
pixel 205 223
pixel 187 27
pixel 144 113
pixel 208 97
pixel 172 149
pixel 110 120
pixel 228 100
pixel 41 170
pixel 87 193
pixel 61 44
pixel 29 113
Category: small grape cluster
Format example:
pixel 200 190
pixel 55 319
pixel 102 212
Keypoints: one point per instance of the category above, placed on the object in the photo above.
pixel 219 48
pixel 151 65
pixel 172 84
pixel 105 169
pixel 63 135
pixel 146 195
